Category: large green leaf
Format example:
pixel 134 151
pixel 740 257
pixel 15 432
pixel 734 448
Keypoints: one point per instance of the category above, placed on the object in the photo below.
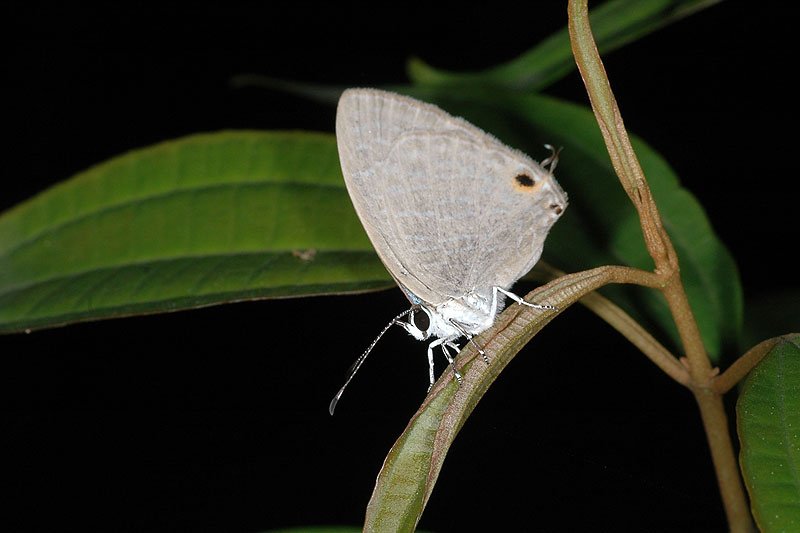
pixel 205 219
pixel 614 24
pixel 768 421
pixel 600 225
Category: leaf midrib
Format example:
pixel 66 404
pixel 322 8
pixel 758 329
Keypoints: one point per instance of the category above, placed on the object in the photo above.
pixel 152 197
pixel 153 261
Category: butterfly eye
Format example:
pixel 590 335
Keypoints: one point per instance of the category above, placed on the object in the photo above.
pixel 420 319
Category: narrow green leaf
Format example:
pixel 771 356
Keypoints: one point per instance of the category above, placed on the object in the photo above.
pixel 614 24
pixel 201 220
pixel 768 422
pixel 600 225
pixel 413 464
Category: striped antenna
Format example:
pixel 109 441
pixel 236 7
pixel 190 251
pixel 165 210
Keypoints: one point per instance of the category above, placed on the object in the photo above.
pixel 360 361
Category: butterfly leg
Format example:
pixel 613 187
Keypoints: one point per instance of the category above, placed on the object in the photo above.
pixel 441 342
pixel 450 359
pixel 519 300
pixel 470 338
pixel 430 364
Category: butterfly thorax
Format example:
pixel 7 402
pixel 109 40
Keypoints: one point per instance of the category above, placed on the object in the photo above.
pixel 471 313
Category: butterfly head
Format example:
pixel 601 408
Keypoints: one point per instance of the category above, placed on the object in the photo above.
pixel 419 323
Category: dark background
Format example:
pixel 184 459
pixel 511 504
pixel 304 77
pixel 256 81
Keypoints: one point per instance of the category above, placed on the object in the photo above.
pixel 216 419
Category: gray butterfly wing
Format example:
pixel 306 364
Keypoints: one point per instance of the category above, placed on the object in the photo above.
pixel 448 208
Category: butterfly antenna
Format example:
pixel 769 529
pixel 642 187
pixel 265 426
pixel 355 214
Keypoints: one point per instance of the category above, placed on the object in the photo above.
pixel 552 161
pixel 360 361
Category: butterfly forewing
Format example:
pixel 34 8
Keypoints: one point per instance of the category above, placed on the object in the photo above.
pixel 448 208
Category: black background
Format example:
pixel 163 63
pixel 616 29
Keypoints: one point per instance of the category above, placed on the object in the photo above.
pixel 216 419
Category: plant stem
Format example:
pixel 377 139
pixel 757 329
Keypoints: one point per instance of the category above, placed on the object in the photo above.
pixel 663 253
pixel 715 423
pixel 712 409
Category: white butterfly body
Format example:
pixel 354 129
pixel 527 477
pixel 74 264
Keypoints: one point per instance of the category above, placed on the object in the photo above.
pixel 472 312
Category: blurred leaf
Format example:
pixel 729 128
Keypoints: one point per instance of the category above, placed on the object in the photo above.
pixel 412 466
pixel 768 421
pixel 316 92
pixel 201 220
pixel 600 225
pixel 614 24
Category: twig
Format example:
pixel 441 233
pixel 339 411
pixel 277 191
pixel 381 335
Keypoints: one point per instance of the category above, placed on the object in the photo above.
pixel 663 253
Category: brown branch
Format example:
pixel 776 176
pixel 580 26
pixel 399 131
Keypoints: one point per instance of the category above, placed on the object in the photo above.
pixel 663 253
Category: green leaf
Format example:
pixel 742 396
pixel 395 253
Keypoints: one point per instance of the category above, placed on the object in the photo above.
pixel 413 464
pixel 201 220
pixel 600 225
pixel 768 422
pixel 614 24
